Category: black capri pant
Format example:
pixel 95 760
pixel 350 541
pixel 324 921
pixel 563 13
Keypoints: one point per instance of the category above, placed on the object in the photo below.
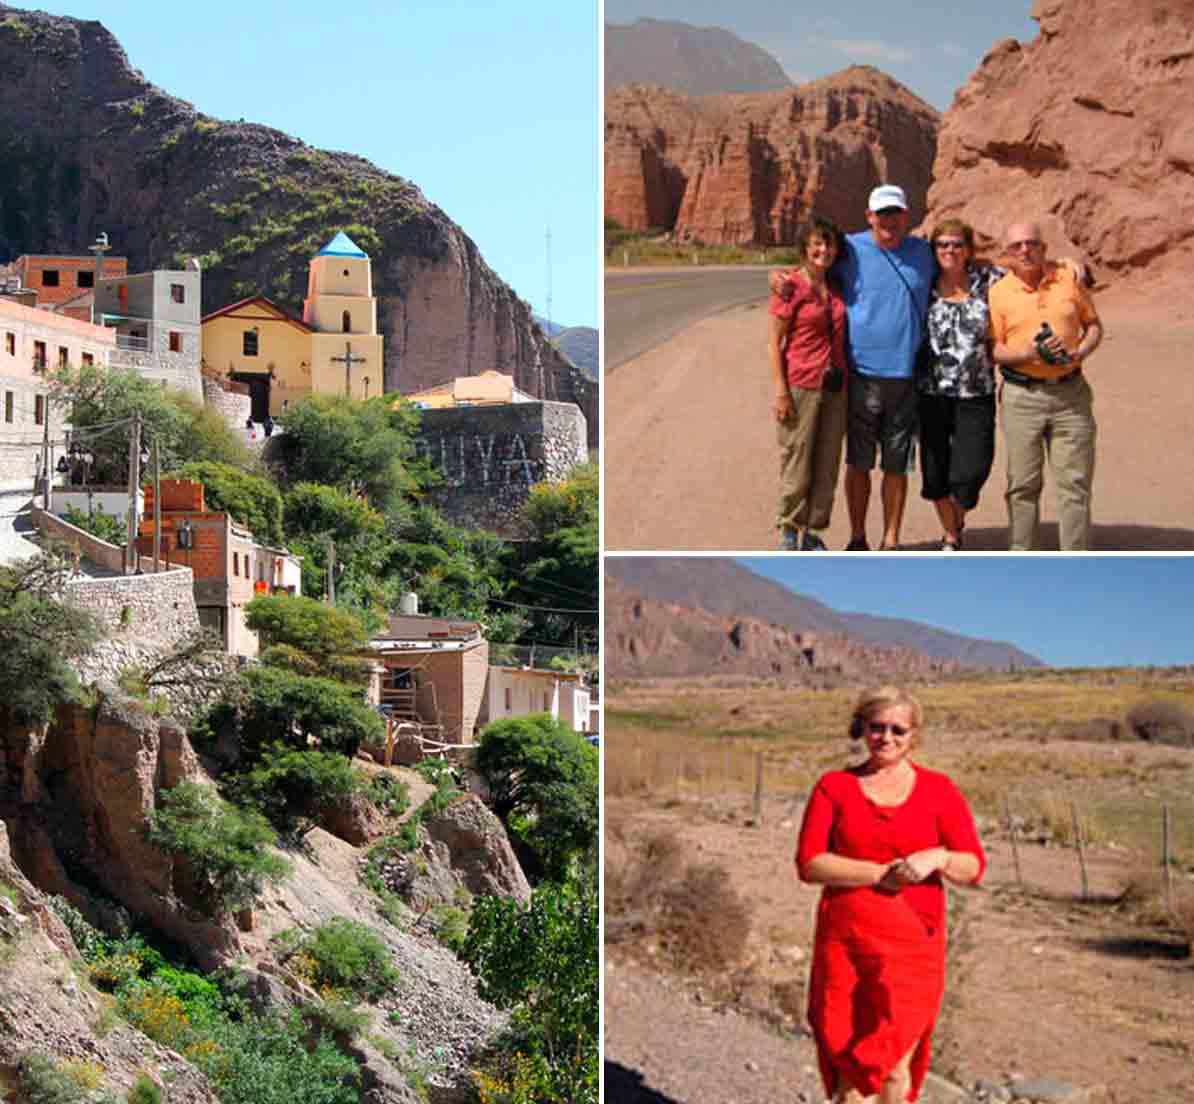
pixel 957 446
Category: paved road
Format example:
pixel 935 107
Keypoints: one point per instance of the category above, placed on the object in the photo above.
pixel 15 526
pixel 646 307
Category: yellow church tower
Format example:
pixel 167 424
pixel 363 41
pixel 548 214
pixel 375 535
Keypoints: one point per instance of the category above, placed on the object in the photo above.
pixel 346 349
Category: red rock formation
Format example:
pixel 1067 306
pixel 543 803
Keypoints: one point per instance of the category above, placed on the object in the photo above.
pixel 750 168
pixel 1088 129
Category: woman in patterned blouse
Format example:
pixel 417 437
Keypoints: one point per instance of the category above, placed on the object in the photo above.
pixel 957 387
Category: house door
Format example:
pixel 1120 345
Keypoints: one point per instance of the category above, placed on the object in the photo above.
pixel 258 393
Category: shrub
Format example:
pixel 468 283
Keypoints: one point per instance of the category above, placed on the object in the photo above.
pixel 338 1015
pixel 99 524
pixel 451 926
pixel 44 1081
pixel 144 1091
pixel 329 638
pixel 289 786
pixel 226 847
pixel 1162 722
pixel 349 957
pixel 389 794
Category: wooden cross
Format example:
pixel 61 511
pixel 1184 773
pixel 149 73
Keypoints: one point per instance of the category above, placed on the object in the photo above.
pixel 348 360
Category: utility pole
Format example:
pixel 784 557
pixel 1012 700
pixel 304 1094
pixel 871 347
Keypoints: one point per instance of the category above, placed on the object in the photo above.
pixel 130 558
pixel 157 508
pixel 45 459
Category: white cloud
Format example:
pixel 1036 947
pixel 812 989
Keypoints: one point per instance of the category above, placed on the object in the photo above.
pixel 872 50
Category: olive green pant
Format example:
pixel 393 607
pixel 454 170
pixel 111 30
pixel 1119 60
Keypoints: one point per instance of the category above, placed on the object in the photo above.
pixel 810 457
pixel 1054 423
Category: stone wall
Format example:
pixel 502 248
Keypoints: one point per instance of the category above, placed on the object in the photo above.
pixel 229 398
pixel 152 611
pixel 177 370
pixel 491 456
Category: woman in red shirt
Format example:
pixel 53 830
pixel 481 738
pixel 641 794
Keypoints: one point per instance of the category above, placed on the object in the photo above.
pixel 882 838
pixel 806 347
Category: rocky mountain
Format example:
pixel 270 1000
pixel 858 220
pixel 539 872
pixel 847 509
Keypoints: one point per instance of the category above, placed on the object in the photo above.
pixel 580 344
pixel 1088 129
pixel 751 168
pixel 698 61
pixel 89 145
pixel 682 615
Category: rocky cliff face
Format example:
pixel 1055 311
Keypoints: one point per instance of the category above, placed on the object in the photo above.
pixel 1087 129
pixel 89 145
pixel 648 638
pixel 751 168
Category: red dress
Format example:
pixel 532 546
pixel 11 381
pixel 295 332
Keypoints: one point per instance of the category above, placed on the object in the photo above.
pixel 878 970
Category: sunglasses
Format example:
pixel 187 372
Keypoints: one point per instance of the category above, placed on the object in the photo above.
pixel 1027 243
pixel 877 728
pixel 949 243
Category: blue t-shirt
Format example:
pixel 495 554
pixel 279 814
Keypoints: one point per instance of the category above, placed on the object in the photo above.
pixel 886 324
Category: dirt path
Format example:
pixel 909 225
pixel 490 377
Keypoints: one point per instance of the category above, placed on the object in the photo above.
pixel 1043 986
pixel 690 458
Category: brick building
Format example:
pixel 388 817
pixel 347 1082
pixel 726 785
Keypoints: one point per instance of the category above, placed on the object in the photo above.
pixel 57 279
pixel 228 565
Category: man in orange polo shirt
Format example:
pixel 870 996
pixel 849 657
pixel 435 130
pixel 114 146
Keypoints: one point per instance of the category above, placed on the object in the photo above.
pixel 1047 405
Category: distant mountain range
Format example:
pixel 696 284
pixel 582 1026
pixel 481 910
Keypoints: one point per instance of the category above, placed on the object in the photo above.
pixel 699 61
pixel 580 344
pixel 688 615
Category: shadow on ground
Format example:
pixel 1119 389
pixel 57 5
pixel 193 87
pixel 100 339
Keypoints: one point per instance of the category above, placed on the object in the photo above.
pixel 625 1086
pixel 1103 538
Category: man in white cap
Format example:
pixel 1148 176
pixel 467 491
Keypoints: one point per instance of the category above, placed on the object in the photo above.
pixel 885 277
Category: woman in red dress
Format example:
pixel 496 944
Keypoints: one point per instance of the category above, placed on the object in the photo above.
pixel 882 838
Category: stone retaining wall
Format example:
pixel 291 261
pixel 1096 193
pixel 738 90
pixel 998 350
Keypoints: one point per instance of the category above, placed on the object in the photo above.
pixel 491 456
pixel 177 370
pixel 229 398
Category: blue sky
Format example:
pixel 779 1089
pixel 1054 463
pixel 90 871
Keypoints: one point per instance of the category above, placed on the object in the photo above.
pixel 491 109
pixel 932 48
pixel 1070 611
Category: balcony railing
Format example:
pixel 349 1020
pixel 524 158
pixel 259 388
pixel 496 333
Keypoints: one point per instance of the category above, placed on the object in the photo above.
pixel 132 344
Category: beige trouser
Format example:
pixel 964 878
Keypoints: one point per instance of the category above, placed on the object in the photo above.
pixel 1054 422
pixel 810 456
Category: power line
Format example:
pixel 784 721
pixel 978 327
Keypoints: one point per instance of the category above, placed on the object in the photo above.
pixel 540 609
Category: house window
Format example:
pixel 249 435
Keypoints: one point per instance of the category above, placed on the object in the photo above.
pixel 236 563
pixel 88 360
pixel 178 293
pixel 346 322
pixel 250 343
pixel 63 356
pixel 86 278
pixel 546 704
pixel 175 341
pixel 49 277
pixel 10 344
pixel 509 700
pixel 8 407
pixel 39 409
pixel 39 356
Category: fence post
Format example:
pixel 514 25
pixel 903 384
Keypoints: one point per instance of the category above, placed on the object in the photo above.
pixel 758 803
pixel 1011 829
pixel 1081 852
pixel 1166 877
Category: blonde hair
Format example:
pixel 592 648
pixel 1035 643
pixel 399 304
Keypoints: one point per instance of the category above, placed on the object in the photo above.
pixel 870 701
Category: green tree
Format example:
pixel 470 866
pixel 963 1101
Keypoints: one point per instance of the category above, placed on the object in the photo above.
pixel 226 848
pixel 253 500
pixel 184 429
pixel 556 569
pixel 40 633
pixel 315 515
pixel 279 706
pixel 293 788
pixel 308 636
pixel 361 447
pixel 542 778
pixel 541 961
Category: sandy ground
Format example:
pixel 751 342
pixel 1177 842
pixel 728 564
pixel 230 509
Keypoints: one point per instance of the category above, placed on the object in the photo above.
pixel 690 456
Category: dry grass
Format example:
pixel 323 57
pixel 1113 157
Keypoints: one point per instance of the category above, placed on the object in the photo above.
pixel 681 913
